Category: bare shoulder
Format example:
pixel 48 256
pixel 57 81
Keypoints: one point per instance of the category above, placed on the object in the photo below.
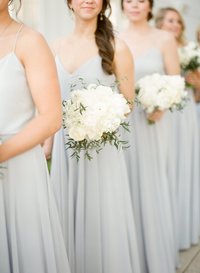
pixel 163 37
pixel 30 41
pixel 123 58
pixel 121 47
pixel 30 35
pixel 32 49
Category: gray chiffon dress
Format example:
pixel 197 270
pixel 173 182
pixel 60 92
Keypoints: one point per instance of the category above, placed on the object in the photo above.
pixel 150 170
pixel 187 174
pixel 31 238
pixel 93 197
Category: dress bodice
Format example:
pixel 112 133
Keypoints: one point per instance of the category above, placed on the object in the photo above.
pixel 16 103
pixel 91 72
pixel 150 62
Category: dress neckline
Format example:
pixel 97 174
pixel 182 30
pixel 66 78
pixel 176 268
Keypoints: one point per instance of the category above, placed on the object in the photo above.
pixel 84 64
pixel 147 52
pixel 9 55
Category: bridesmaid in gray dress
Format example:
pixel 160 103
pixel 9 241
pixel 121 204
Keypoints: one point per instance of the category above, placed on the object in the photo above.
pixel 93 197
pixel 194 79
pixel 31 239
pixel 149 157
pixel 186 146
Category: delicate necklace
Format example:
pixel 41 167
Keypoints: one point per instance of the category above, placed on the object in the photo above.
pixel 5 28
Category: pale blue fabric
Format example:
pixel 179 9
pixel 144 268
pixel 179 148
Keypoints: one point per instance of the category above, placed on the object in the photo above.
pixel 31 239
pixel 149 166
pixel 187 174
pixel 93 197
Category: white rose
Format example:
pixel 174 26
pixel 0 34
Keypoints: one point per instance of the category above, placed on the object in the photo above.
pixel 77 133
pixel 94 134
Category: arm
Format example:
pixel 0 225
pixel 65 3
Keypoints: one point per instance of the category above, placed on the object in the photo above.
pixel 42 79
pixel 47 147
pixel 48 143
pixel 170 55
pixel 171 63
pixel 193 78
pixel 124 70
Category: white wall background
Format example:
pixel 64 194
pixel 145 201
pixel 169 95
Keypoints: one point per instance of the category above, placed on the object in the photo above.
pixel 53 19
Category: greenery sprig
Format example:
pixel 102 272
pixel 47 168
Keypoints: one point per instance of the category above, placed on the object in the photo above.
pixel 97 145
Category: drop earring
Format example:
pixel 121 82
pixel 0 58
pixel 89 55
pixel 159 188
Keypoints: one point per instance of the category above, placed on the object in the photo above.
pixel 101 16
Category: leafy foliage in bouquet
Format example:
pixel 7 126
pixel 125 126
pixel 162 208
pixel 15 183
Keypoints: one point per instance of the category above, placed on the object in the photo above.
pixel 93 117
pixel 190 57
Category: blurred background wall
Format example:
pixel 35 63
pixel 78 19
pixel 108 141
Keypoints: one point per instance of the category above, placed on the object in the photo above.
pixel 53 19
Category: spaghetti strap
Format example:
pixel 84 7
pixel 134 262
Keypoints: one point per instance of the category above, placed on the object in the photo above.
pixel 17 36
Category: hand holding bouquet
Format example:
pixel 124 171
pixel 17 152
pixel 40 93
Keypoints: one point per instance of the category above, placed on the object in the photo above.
pixel 161 92
pixel 92 117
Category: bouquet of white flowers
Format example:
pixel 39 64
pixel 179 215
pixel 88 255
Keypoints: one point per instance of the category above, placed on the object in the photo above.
pixel 161 92
pixel 92 117
pixel 190 56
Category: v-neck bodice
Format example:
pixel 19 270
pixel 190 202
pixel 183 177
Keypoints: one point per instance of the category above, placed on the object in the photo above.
pixel 90 71
pixel 148 63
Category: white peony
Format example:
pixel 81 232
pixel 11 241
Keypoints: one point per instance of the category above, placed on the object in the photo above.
pixel 189 56
pixel 77 133
pixel 94 113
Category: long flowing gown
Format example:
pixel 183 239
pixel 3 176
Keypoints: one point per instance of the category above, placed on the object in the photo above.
pixel 187 174
pixel 93 197
pixel 149 168
pixel 31 238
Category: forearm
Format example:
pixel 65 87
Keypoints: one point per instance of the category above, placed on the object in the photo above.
pixel 47 147
pixel 197 94
pixel 39 129
pixel 129 96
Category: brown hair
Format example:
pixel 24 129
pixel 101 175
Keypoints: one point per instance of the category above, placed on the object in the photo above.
pixel 150 15
pixel 104 37
pixel 160 17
